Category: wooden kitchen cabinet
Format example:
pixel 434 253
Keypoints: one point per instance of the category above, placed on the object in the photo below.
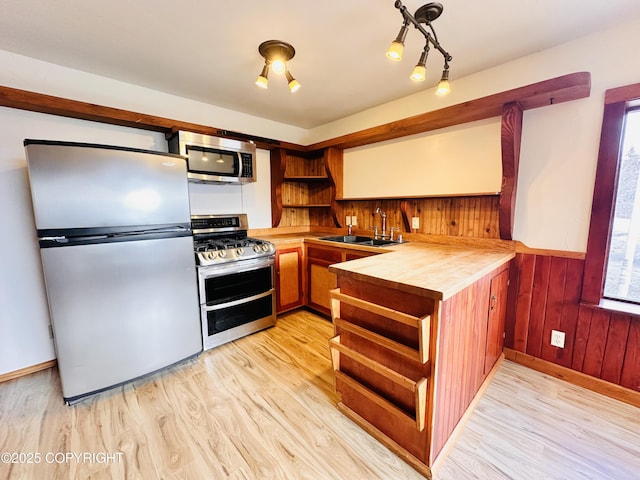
pixel 289 278
pixel 408 365
pixel 495 319
pixel 319 279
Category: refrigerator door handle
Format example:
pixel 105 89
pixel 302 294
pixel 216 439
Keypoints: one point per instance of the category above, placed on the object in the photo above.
pixel 58 239
pixel 177 229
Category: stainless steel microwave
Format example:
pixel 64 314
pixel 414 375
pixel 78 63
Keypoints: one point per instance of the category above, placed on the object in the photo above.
pixel 215 160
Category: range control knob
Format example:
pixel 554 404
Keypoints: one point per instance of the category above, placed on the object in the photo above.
pixel 211 255
pixel 257 248
pixel 267 247
pixel 239 251
pixel 222 253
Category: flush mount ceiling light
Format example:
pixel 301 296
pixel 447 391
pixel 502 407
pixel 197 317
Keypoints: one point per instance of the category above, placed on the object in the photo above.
pixel 276 54
pixel 424 15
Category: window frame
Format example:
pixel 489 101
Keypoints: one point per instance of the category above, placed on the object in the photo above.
pixel 617 102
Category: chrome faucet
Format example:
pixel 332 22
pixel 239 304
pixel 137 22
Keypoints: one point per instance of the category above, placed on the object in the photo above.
pixel 384 222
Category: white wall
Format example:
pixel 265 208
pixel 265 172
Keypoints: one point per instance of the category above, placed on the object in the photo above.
pixel 559 143
pixel 459 160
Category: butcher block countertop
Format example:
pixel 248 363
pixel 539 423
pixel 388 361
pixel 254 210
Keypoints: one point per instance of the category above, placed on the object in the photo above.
pixel 423 266
pixel 431 270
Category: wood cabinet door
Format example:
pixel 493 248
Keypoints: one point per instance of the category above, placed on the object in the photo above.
pixel 495 321
pixel 288 278
pixel 321 280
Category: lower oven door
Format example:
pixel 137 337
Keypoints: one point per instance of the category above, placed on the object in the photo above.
pixel 237 299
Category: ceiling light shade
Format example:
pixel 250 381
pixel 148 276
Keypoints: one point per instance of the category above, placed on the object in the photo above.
pixel 397 46
pixel 422 22
pixel 263 81
pixel 419 73
pixel 276 54
pixel 420 70
pixel 395 51
pixel 443 87
pixel 294 85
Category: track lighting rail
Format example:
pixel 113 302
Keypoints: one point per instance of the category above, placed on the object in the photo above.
pixel 433 39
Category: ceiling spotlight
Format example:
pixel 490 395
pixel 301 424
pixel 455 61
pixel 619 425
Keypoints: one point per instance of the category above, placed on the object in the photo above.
pixel 422 18
pixel 263 81
pixel 420 70
pixel 276 54
pixel 443 86
pixel 294 85
pixel 397 46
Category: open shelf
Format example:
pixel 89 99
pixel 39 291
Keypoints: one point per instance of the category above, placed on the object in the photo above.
pixel 305 181
pixel 306 205
pixel 306 178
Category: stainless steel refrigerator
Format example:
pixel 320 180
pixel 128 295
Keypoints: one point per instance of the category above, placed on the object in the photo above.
pixel 117 254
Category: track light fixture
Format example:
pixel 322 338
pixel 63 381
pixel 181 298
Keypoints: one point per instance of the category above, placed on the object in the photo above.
pixel 276 54
pixel 423 16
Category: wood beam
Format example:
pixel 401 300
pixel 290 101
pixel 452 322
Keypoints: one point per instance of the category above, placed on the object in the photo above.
pixel 64 107
pixel 511 138
pixel 548 92
pixel 556 90
pixel 278 166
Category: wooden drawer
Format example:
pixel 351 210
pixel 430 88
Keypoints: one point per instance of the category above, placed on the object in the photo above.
pixel 355 255
pixel 330 255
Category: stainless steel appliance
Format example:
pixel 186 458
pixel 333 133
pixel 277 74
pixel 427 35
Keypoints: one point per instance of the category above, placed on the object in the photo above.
pixel 235 278
pixel 117 254
pixel 215 160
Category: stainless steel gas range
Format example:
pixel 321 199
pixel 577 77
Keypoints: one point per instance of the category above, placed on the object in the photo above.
pixel 235 278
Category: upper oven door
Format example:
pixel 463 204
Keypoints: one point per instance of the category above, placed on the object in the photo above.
pixel 233 281
pixel 213 164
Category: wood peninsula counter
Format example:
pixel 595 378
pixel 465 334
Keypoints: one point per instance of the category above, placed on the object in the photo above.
pixel 418 333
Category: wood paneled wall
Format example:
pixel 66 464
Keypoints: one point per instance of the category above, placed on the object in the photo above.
pixel 462 364
pixel 316 216
pixel 457 216
pixel 544 295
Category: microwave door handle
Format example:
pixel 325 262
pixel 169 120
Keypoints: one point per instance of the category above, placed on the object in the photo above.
pixel 240 164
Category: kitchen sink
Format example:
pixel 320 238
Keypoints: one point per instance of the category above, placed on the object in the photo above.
pixel 360 240
pixel 347 239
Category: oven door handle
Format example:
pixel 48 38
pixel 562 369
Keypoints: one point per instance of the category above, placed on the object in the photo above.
pixel 220 306
pixel 211 271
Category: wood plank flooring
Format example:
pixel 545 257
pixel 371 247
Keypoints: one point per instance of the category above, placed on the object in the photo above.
pixel 263 407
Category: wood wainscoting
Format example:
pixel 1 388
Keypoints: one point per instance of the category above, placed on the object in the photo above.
pixel 544 295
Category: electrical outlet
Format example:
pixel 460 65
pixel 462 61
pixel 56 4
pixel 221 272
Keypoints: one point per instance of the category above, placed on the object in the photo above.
pixel 415 223
pixel 348 220
pixel 354 220
pixel 557 338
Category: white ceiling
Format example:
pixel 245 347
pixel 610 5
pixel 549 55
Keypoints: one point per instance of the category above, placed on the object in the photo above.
pixel 207 50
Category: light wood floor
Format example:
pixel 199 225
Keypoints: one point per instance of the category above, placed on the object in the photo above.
pixel 264 408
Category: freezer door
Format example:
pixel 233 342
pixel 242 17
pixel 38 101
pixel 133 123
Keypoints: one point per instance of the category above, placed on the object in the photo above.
pixel 121 310
pixel 89 186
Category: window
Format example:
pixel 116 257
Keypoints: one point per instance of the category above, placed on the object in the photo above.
pixel 612 264
pixel 622 281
